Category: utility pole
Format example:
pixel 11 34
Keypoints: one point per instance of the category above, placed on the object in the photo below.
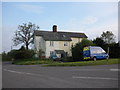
pixel 11 47
pixel 108 50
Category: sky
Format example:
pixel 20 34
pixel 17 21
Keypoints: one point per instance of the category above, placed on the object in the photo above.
pixel 91 18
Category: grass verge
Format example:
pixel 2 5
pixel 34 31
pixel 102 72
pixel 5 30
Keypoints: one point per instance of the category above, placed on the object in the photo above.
pixel 49 62
pixel 33 61
pixel 87 63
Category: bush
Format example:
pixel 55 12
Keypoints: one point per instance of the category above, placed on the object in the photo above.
pixel 21 54
pixel 114 51
pixel 5 57
pixel 68 59
pixel 77 50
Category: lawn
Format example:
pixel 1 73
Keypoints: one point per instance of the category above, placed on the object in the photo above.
pixel 33 61
pixel 49 62
pixel 87 63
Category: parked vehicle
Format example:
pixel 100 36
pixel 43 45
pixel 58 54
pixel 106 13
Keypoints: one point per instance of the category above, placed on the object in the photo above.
pixel 55 58
pixel 94 52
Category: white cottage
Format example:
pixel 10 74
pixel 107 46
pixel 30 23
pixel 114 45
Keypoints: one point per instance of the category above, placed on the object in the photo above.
pixel 55 42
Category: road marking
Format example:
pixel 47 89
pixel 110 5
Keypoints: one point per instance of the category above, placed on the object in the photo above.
pixel 72 77
pixel 96 70
pixel 76 77
pixel 13 71
pixel 22 72
pixel 43 76
pixel 89 69
pixel 115 70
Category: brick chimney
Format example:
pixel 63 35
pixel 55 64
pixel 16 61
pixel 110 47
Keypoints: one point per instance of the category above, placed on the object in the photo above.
pixel 54 28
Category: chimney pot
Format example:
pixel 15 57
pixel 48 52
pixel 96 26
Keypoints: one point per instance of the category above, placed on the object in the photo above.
pixel 54 28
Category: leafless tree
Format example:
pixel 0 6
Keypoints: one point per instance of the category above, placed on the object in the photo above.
pixel 24 34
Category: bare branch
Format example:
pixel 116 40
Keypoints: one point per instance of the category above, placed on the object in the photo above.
pixel 24 34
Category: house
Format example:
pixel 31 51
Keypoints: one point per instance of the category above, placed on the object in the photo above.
pixel 56 42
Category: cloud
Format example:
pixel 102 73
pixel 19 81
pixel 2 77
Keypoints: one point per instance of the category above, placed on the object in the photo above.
pixel 75 24
pixel 92 27
pixel 96 32
pixel 31 8
pixel 89 20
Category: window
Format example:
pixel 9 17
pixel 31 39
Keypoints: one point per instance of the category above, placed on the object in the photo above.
pixel 97 50
pixel 52 53
pixel 65 44
pixel 51 43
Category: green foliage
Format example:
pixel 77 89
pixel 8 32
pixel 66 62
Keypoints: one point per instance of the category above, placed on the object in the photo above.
pixel 49 62
pixel 68 59
pixel 6 57
pixel 41 53
pixel 106 41
pixel 108 37
pixel 77 50
pixel 22 53
pixel 100 42
pixel 19 54
pixel 33 61
pixel 114 51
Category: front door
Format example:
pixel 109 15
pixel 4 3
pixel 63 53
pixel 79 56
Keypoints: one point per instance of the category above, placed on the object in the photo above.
pixel 62 55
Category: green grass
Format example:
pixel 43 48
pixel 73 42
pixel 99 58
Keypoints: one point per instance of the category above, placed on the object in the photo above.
pixel 33 61
pixel 87 63
pixel 49 62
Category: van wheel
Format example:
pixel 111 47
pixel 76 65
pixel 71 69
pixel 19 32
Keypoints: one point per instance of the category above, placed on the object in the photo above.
pixel 94 58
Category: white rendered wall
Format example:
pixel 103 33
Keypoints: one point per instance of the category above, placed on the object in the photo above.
pixel 39 43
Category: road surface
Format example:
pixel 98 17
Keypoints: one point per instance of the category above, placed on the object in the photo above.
pixel 36 76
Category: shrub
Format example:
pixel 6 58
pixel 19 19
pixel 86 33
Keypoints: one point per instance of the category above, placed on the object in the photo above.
pixel 5 57
pixel 21 54
pixel 68 59
pixel 77 50
pixel 114 51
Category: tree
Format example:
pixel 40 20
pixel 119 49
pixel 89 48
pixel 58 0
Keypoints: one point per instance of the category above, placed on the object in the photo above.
pixel 77 50
pixel 108 37
pixel 24 34
pixel 100 42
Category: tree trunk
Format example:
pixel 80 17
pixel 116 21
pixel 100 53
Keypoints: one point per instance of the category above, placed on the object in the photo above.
pixel 26 46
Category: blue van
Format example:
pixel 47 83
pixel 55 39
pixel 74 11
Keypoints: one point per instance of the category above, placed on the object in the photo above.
pixel 94 52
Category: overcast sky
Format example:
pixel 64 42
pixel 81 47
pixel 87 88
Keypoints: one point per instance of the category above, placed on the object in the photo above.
pixel 91 18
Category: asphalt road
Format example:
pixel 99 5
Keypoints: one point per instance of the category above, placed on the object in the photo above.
pixel 36 76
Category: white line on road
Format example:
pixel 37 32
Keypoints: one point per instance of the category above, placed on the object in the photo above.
pixel 96 70
pixel 95 78
pixel 22 72
pixel 43 76
pixel 72 77
pixel 13 71
pixel 115 70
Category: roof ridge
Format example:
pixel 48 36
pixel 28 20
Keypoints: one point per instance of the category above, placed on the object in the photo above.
pixel 59 31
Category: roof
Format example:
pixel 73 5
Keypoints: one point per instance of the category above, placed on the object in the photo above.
pixel 58 36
